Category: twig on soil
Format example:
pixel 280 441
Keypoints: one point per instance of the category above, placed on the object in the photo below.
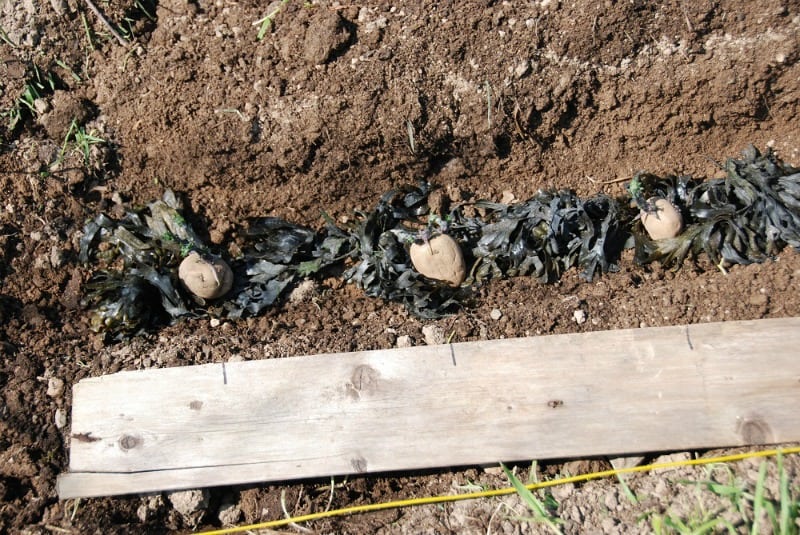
pixel 410 132
pixel 104 20
pixel 501 505
pixel 488 103
pixel 57 529
pixel 605 182
pixel 686 18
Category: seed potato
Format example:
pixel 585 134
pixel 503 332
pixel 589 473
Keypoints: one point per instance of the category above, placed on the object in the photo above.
pixel 665 222
pixel 439 259
pixel 205 276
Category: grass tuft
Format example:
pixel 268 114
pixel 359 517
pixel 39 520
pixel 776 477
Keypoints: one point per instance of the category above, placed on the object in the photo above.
pixel 540 510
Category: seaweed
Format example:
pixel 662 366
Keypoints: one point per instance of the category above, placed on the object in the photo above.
pixel 383 267
pixel 748 216
pixel 547 235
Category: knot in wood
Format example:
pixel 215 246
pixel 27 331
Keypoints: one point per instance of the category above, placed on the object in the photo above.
pixel 128 442
pixel 364 378
pixel 755 431
pixel 359 464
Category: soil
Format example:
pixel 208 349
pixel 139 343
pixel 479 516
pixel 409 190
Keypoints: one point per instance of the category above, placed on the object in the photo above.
pixel 337 104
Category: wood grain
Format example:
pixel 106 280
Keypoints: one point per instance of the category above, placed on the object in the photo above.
pixel 601 393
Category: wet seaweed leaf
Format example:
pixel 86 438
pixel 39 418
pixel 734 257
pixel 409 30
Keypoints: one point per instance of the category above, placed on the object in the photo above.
pixel 278 240
pixel 547 235
pixel 746 217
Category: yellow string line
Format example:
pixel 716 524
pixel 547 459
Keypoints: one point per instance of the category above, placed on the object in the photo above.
pixel 397 504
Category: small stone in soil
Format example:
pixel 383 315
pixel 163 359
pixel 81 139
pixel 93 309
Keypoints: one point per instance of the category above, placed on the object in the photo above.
pixel 150 505
pixel 671 458
pixel 60 418
pixel 229 514
pixel 433 334
pixel 404 341
pixel 562 492
pixel 495 314
pixel 187 502
pixel 55 387
pixel 579 316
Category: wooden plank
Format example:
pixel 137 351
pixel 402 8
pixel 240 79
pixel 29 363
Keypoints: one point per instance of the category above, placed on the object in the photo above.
pixel 574 395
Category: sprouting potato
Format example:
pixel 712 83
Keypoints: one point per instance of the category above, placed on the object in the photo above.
pixel 439 258
pixel 665 221
pixel 205 276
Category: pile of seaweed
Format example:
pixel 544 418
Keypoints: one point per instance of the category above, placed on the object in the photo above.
pixel 748 216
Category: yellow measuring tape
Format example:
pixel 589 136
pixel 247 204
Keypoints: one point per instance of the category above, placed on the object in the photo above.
pixel 499 492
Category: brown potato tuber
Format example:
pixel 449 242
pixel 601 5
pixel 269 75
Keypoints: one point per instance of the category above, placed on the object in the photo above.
pixel 439 259
pixel 205 276
pixel 665 222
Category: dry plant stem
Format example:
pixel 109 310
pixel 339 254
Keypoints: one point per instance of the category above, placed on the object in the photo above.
pixel 104 20
pixel 604 182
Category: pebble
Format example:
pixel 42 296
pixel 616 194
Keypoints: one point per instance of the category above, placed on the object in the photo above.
pixel 672 458
pixel 60 418
pixel 404 341
pixel 55 387
pixel 562 492
pixel 42 262
pixel 522 68
pixel 151 504
pixel 493 469
pixel 495 314
pixel 508 197
pixel 626 462
pixel 579 316
pixel 214 322
pixel 56 256
pixel 41 105
pixel 229 514
pixel 187 502
pixel 433 334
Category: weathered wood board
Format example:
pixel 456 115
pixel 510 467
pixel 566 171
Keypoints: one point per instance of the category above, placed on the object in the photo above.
pixel 575 395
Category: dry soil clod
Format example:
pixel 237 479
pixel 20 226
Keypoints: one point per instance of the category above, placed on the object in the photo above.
pixel 439 258
pixel 665 221
pixel 205 276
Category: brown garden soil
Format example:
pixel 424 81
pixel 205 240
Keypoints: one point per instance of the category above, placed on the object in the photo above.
pixel 503 98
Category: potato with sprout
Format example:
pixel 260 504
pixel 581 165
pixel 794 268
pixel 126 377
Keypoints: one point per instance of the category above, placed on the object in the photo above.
pixel 206 276
pixel 439 258
pixel 660 217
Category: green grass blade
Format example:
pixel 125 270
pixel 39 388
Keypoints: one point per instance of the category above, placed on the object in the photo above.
pixel 787 523
pixel 627 490
pixel 758 499
pixel 536 506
